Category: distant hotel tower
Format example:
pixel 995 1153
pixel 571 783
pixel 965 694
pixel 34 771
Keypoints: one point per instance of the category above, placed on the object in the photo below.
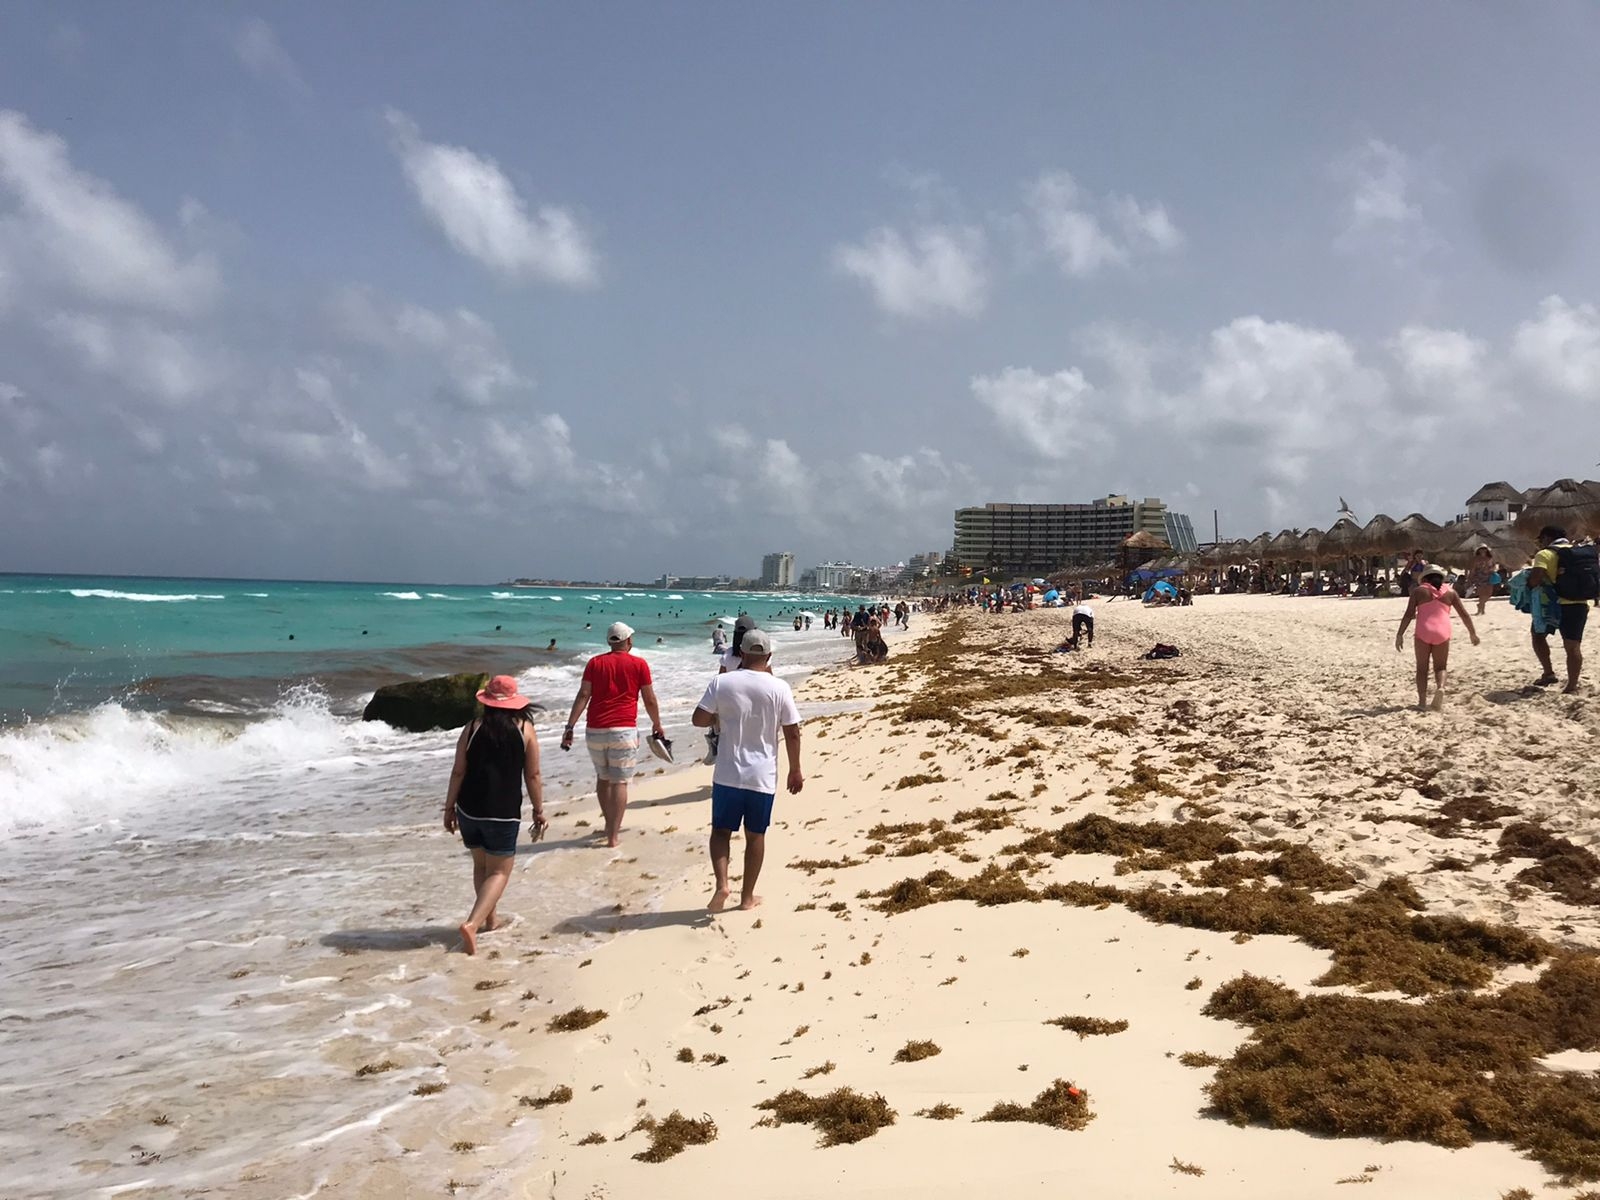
pixel 777 569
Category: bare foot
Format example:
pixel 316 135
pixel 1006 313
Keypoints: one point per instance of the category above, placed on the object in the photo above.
pixel 746 903
pixel 1571 689
pixel 1438 700
pixel 1544 681
pixel 613 842
pixel 719 900
pixel 469 936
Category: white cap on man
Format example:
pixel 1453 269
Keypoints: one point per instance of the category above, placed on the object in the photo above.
pixel 757 642
pixel 619 632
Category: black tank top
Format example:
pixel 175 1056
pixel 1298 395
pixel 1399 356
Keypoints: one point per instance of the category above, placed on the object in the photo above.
pixel 492 789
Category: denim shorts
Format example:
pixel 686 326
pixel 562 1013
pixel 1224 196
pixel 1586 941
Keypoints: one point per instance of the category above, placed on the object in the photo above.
pixel 731 805
pixel 492 837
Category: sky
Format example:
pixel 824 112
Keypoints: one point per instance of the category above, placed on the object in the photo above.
pixel 464 292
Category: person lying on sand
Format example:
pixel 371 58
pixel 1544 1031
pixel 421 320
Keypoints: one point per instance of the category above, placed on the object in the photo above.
pixel 750 706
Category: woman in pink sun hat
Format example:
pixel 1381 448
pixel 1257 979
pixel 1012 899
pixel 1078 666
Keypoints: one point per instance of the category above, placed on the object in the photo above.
pixel 495 754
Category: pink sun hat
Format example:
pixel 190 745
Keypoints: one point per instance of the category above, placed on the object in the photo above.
pixel 501 692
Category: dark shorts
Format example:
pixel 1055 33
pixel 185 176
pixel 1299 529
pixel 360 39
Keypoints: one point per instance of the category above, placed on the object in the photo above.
pixel 1573 618
pixel 492 837
pixel 731 805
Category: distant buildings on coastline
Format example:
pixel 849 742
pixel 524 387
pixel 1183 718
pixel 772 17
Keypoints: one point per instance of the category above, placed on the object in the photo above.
pixel 1495 505
pixel 1021 539
pixel 777 569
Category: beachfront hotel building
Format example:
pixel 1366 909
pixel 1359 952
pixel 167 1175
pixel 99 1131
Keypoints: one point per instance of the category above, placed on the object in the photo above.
pixel 1496 505
pixel 777 569
pixel 1030 539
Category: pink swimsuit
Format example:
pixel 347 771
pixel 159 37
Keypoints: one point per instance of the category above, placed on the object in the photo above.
pixel 1433 617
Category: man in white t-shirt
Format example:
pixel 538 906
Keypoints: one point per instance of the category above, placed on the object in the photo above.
pixel 1083 621
pixel 750 706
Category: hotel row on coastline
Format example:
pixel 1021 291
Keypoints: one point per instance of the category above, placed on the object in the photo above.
pixel 1031 539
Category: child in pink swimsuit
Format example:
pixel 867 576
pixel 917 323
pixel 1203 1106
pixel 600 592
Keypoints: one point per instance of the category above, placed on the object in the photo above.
pixel 1430 604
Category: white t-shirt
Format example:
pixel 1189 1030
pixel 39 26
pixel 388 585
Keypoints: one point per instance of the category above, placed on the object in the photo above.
pixel 731 662
pixel 1083 610
pixel 751 708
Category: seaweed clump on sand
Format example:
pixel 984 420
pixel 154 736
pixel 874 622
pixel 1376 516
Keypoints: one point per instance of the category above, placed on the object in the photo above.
pixel 916 1051
pixel 841 1117
pixel 1143 845
pixel 939 1112
pixel 673 1134
pixel 1451 1070
pixel 990 886
pixel 1061 1106
pixel 1378 939
pixel 1560 866
pixel 556 1095
pixel 1297 866
pixel 575 1019
pixel 1087 1026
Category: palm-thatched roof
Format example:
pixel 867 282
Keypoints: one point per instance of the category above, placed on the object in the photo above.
pixel 1285 545
pixel 1374 537
pixel 1342 538
pixel 1145 540
pixel 1566 503
pixel 1498 490
pixel 1311 542
pixel 1416 532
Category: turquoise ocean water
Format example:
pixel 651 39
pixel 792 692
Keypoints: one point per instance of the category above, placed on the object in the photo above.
pixel 205 855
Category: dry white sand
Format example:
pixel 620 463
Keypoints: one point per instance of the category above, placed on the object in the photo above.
pixel 1292 717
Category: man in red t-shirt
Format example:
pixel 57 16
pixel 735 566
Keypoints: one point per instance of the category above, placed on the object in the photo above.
pixel 613 684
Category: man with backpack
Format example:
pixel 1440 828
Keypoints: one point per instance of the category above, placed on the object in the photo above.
pixel 1574 574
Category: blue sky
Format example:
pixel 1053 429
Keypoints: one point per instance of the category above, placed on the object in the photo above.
pixel 460 292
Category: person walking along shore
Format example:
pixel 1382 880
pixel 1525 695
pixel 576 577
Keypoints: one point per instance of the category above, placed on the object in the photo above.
pixel 495 754
pixel 751 705
pixel 613 685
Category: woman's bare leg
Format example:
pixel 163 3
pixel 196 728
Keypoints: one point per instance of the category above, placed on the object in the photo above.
pixel 496 874
pixel 1424 661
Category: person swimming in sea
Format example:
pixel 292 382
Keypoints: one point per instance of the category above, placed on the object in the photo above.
pixel 548 648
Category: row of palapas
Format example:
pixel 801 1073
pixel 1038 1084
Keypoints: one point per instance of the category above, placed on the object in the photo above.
pixel 1568 503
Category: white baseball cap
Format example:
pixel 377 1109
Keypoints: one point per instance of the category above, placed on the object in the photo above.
pixel 756 641
pixel 619 632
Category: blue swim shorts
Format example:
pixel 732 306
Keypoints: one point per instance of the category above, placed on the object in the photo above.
pixel 492 837
pixel 731 805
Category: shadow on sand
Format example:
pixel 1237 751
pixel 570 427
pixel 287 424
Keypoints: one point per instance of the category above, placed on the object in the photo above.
pixel 609 920
pixel 1513 695
pixel 700 795
pixel 418 937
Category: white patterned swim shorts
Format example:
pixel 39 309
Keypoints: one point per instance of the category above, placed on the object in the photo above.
pixel 614 752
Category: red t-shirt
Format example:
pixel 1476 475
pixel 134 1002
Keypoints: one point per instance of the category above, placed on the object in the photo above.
pixel 614 681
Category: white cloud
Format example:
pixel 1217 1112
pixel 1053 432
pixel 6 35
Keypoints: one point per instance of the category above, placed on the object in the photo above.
pixel 147 357
pixel 1382 213
pixel 1052 415
pixel 17 411
pixel 1146 225
pixel 1560 348
pixel 939 271
pixel 481 214
pixel 465 346
pixel 259 49
pixel 67 232
pixel 1069 221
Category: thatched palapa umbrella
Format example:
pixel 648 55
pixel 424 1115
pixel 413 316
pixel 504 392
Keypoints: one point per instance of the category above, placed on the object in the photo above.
pixel 1416 532
pixel 1566 504
pixel 1374 537
pixel 1343 539
pixel 1139 548
pixel 1284 546
pixel 1311 544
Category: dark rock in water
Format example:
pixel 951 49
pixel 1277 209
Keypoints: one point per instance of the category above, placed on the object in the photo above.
pixel 448 702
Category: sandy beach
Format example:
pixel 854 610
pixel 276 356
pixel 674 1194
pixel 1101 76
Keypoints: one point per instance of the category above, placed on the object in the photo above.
pixel 1001 856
